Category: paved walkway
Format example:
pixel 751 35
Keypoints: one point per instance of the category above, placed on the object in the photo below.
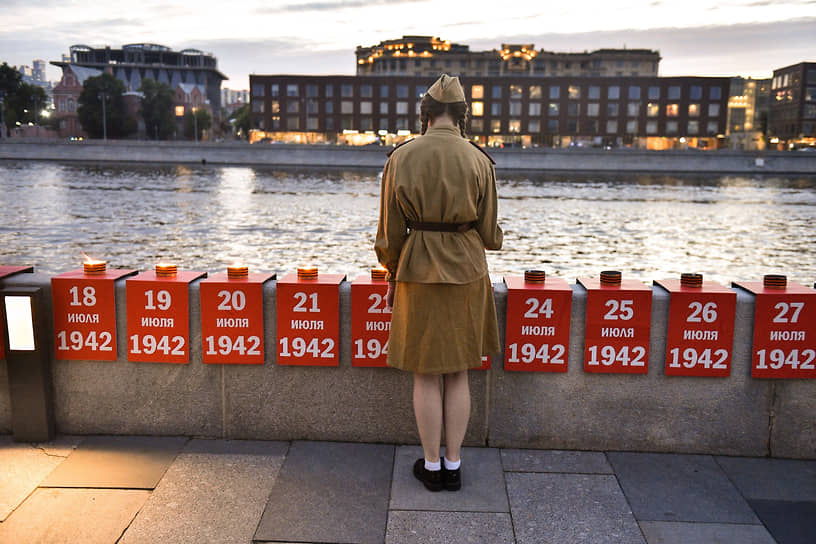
pixel 176 490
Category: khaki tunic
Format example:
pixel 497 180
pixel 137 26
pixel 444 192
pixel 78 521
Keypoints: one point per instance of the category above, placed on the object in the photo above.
pixel 444 316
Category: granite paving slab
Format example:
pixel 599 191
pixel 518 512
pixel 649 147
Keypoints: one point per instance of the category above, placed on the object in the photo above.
pixel 772 479
pixel 578 462
pixel 215 491
pixel 790 522
pixel 23 466
pixel 671 487
pixel 482 490
pixel 120 462
pixel 406 527
pixel 574 508
pixel 329 492
pixel 675 532
pixel 57 516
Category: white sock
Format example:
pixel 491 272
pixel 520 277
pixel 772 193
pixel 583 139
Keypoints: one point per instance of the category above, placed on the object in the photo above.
pixel 433 466
pixel 452 465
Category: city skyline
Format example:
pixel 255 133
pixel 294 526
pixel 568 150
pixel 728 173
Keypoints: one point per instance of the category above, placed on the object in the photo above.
pixel 749 38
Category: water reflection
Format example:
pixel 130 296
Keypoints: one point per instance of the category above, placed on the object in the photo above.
pixel 202 217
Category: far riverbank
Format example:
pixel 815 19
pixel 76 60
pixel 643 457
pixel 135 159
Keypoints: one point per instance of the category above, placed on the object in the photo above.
pixel 508 159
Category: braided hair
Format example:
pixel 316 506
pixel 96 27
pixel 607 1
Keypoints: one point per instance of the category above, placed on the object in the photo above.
pixel 430 109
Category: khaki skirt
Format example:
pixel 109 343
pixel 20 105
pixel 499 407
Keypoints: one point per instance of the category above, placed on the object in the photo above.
pixel 439 328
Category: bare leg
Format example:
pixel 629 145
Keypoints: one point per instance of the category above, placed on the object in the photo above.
pixel 428 411
pixel 457 413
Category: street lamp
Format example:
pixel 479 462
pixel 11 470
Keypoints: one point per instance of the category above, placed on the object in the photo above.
pixel 103 96
pixel 195 124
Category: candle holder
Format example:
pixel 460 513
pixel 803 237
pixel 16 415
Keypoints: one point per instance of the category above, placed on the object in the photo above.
pixel 378 274
pixel 92 267
pixel 166 270
pixel 237 271
pixel 534 276
pixel 610 277
pixel 307 272
pixel 691 280
pixel 775 281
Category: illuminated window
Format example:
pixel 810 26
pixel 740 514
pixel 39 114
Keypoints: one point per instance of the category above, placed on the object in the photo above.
pixel 534 109
pixel 694 110
pixel 257 89
pixel 552 109
pixel 593 108
pixel 495 126
pixel 477 125
pixel 611 127
pixel 365 108
pixel 535 92
pixel 695 92
pixel 715 93
pixel 347 90
pixel 552 126
pixel 292 90
pixel 613 92
pixel 713 110
pixel 712 128
pixel 366 91
pixel 693 127
pixel 495 109
pixel 672 110
pixel 631 127
pixel 612 109
pixel 634 93
pixel 652 109
pixel 671 127
pixel 651 127
pixel 555 92
pixel 311 123
pixel 477 109
pixel 594 92
pixel 514 126
pixel 633 109
pixel 515 92
pixel 402 108
pixel 383 108
pixel 674 92
pixel 292 106
pixel 477 92
pixel 654 93
pixel 534 125
pixel 347 107
pixel 574 92
pixel 515 108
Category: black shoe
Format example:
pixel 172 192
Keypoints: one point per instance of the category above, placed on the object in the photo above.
pixel 452 479
pixel 431 479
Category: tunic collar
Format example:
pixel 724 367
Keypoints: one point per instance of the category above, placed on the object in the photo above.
pixel 444 129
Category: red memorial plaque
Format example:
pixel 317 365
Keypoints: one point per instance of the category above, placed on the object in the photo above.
pixel 158 317
pixel 6 271
pixel 784 331
pixel 538 325
pixel 232 324
pixel 701 329
pixel 308 323
pixel 618 320
pixel 370 322
pixel 85 314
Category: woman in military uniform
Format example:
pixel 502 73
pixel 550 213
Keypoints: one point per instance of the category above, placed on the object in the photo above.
pixel 438 210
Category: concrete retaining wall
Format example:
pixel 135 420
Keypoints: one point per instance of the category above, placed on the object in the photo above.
pixel 732 416
pixel 508 159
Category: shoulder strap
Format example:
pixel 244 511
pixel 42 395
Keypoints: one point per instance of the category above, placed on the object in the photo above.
pixel 477 146
pixel 398 146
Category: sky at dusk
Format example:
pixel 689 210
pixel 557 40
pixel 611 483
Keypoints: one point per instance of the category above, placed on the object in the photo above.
pixel 694 37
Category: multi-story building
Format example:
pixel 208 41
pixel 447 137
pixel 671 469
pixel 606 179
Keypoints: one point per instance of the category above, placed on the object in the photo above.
pixel 232 99
pixel 135 62
pixel 637 111
pixel 66 100
pixel 430 56
pixel 748 113
pixel 792 117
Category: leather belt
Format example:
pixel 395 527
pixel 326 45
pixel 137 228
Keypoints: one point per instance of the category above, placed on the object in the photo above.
pixel 441 227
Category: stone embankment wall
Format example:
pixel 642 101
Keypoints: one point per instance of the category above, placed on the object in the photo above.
pixel 508 159
pixel 737 415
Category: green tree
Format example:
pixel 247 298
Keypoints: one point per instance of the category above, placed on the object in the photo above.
pixel 22 102
pixel 157 109
pixel 90 107
pixel 240 120
pixel 203 121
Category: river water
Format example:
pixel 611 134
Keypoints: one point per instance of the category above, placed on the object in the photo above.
pixel 206 217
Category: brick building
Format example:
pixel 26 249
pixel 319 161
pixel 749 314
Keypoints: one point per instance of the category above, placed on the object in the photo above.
pixel 792 117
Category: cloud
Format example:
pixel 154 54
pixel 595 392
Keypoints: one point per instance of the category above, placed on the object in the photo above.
pixel 329 5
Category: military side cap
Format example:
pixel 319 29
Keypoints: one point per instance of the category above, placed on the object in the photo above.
pixel 447 90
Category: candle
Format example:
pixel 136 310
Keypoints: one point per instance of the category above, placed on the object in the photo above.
pixel 237 271
pixel 610 277
pixel 166 270
pixel 307 272
pixel 691 280
pixel 93 267
pixel 378 274
pixel 534 276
